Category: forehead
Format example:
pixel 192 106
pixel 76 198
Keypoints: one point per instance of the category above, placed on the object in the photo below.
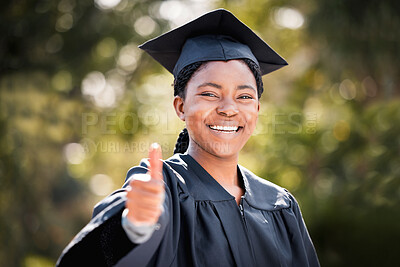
pixel 232 71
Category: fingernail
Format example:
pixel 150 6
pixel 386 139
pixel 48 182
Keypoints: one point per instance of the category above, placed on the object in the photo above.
pixel 154 146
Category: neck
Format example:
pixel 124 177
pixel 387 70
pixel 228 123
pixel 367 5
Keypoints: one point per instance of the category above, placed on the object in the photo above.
pixel 222 169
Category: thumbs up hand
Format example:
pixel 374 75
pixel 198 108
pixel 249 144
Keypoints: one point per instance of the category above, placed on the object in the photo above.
pixel 146 192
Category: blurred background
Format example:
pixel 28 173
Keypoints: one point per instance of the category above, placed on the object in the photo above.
pixel 80 104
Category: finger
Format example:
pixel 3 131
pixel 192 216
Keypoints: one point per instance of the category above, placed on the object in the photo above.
pixel 144 216
pixel 155 162
pixel 132 205
pixel 145 196
pixel 146 213
pixel 152 186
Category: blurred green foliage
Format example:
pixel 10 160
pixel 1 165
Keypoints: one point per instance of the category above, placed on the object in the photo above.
pixel 78 108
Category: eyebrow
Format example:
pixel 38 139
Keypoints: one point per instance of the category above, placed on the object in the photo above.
pixel 210 84
pixel 240 87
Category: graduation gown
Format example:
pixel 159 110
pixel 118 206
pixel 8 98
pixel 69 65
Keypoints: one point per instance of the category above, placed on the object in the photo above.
pixel 201 225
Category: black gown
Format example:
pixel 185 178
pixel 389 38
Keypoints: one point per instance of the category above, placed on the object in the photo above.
pixel 201 225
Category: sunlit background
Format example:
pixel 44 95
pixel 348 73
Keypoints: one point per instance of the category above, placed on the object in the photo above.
pixel 80 104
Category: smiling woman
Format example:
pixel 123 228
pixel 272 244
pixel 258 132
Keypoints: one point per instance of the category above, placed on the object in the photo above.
pixel 220 108
pixel 199 207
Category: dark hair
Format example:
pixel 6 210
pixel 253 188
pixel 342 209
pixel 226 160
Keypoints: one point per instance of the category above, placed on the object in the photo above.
pixel 180 83
pixel 183 78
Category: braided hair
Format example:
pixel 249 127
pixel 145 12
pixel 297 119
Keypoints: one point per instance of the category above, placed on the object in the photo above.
pixel 180 84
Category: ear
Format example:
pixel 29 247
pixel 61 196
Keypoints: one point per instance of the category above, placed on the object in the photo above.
pixel 179 107
pixel 258 106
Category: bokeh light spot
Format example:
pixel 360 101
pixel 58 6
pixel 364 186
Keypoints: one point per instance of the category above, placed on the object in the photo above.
pixel 64 23
pixel 148 115
pixel 335 95
pixel 298 154
pixel 107 47
pixel 328 143
pixel 37 261
pixel 74 153
pixel 171 10
pixel 62 81
pixel 341 130
pixel 106 98
pixel 66 6
pixel 93 83
pixel 101 184
pixel 288 18
pixel 128 57
pixel 376 150
pixel 103 92
pixel 347 89
pixel 314 106
pixel 290 179
pixel 145 25
pixel 106 4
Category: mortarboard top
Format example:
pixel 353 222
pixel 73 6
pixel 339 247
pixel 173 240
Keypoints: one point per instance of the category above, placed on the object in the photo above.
pixel 217 35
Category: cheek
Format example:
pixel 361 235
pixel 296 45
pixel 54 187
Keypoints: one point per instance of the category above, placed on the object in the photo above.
pixel 194 116
pixel 198 110
pixel 251 112
pixel 252 118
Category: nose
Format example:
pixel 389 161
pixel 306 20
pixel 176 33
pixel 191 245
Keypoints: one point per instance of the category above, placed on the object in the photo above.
pixel 227 107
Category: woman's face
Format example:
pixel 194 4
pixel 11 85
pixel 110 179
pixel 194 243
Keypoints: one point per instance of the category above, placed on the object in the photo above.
pixel 220 107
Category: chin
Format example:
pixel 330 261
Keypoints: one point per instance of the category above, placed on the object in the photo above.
pixel 220 149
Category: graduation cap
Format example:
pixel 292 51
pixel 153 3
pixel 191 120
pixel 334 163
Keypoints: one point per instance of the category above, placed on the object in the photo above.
pixel 215 36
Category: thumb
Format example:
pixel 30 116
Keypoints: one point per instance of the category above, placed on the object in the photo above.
pixel 155 162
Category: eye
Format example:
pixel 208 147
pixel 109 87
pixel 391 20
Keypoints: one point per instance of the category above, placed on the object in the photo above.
pixel 246 97
pixel 208 94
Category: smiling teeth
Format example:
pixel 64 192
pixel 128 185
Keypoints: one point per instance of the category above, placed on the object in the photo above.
pixel 224 128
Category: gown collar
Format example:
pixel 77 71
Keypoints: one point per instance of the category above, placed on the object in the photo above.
pixel 203 186
pixel 259 193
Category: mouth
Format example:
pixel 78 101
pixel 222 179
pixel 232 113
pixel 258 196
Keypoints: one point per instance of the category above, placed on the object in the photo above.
pixel 225 129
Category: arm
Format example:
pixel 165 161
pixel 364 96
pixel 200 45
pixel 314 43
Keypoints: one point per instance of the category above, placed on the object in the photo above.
pixel 137 233
pixel 145 197
pixel 88 248
pixel 104 242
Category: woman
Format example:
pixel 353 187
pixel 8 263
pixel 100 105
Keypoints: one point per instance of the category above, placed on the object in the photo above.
pixel 199 207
